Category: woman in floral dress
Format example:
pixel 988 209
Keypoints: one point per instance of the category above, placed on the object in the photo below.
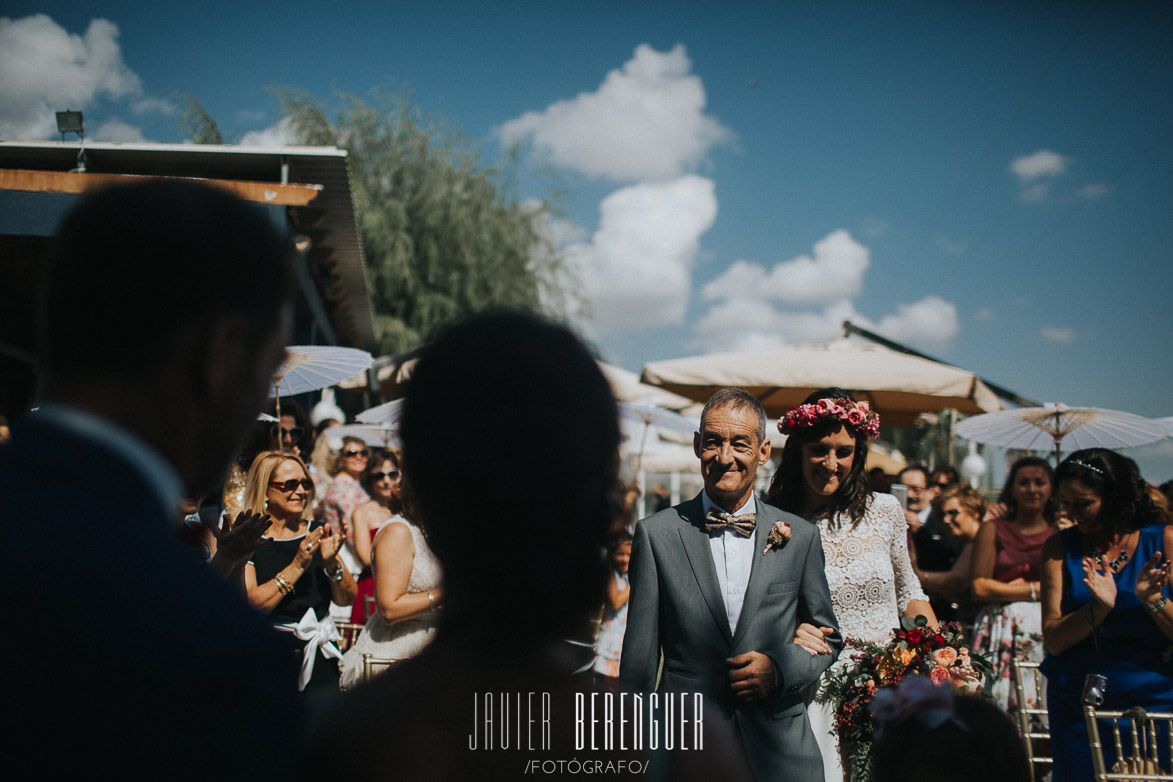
pixel 1007 558
pixel 865 537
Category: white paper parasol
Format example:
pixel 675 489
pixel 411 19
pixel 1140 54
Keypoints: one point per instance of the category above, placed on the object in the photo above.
pixel 1055 424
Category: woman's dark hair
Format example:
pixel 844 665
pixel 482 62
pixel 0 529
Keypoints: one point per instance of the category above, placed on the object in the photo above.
pixel 376 460
pixel 532 521
pixel 788 487
pixel 336 467
pixel 1050 510
pixel 1124 500
pixel 979 743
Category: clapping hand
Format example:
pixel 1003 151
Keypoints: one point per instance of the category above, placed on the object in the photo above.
pixel 1100 582
pixel 237 540
pixel 331 543
pixel 305 552
pixel 813 639
pixel 1154 576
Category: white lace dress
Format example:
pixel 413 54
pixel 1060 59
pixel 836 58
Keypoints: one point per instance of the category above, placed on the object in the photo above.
pixel 871 581
pixel 402 639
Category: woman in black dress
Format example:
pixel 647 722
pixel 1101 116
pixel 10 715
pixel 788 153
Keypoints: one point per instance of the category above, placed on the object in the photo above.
pixel 297 573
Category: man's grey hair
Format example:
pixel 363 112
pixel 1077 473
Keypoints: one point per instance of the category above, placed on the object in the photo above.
pixel 737 399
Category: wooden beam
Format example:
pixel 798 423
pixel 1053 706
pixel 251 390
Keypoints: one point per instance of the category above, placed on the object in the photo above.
pixel 75 183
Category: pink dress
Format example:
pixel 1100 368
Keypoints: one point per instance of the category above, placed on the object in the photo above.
pixel 344 495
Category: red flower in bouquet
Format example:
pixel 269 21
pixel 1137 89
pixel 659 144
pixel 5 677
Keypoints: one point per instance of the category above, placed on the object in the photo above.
pixel 915 649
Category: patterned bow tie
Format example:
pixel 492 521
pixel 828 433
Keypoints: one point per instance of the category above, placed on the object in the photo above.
pixel 719 521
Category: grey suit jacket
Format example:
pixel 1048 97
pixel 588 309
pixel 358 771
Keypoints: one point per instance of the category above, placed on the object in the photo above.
pixel 676 606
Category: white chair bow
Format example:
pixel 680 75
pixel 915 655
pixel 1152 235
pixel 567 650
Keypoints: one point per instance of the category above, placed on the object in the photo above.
pixel 317 635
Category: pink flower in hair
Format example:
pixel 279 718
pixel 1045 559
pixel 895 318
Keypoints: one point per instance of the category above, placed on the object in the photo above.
pixel 855 417
pixel 824 407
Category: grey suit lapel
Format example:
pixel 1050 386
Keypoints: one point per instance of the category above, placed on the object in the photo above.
pixel 700 556
pixel 764 567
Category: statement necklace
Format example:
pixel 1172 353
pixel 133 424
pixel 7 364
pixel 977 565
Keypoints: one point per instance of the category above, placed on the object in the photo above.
pixel 1119 562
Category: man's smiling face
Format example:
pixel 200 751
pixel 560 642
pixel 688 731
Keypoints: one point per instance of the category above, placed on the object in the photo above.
pixel 730 452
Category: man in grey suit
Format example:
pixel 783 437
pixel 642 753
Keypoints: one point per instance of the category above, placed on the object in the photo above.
pixel 722 602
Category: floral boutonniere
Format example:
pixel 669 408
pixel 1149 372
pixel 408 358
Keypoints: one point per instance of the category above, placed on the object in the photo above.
pixel 779 534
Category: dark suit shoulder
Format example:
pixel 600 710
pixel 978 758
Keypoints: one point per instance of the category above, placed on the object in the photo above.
pixel 671 518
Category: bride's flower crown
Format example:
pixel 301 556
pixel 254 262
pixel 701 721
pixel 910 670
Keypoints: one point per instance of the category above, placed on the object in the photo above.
pixel 856 416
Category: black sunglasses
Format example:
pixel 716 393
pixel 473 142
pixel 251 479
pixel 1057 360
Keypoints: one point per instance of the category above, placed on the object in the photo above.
pixel 295 433
pixel 384 476
pixel 291 485
pixel 364 453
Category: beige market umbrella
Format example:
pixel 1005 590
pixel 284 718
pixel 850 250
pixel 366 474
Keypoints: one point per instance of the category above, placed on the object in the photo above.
pixel 898 386
pixel 1055 424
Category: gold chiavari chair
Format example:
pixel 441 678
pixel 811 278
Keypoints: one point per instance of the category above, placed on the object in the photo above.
pixel 350 631
pixel 1032 721
pixel 372 665
pixel 1137 736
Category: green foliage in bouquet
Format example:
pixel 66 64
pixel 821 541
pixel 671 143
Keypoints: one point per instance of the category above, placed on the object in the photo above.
pixel 914 648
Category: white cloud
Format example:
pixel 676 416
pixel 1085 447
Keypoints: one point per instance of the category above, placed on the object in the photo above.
pixel 278 135
pixel 951 247
pixel 985 313
pixel 1041 164
pixel 636 271
pixel 834 272
pixel 644 122
pixel 1035 193
pixel 930 321
pixel 117 130
pixel 874 226
pixel 1092 192
pixel 153 106
pixel 816 294
pixel 44 68
pixel 1061 334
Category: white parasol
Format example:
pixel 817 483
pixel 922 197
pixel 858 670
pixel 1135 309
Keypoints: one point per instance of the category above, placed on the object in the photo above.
pixel 1046 427
pixel 649 413
pixel 375 435
pixel 314 367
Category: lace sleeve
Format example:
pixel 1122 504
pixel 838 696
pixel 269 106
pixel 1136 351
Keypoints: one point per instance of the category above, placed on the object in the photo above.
pixel 907 584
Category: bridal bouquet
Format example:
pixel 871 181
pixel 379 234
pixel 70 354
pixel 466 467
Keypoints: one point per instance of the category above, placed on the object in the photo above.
pixel 915 648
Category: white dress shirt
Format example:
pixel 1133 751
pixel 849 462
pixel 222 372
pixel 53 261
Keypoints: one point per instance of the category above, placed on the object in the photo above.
pixel 733 558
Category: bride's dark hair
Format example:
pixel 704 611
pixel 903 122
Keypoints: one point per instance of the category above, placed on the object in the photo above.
pixel 788 486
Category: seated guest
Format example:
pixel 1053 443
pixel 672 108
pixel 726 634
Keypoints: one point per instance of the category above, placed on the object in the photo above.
pixel 1007 559
pixel 519 538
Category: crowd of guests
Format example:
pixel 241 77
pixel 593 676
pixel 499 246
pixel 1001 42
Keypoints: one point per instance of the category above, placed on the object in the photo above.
pixel 1047 572
pixel 192 633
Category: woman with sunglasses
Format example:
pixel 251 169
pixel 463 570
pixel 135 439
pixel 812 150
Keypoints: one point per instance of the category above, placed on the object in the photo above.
pixel 407 594
pixel 296 574
pixel 346 492
pixel 961 509
pixel 381 481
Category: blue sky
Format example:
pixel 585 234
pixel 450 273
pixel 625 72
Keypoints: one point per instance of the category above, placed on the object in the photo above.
pixel 991 182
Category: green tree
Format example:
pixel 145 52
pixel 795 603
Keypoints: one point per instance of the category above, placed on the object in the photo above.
pixel 444 234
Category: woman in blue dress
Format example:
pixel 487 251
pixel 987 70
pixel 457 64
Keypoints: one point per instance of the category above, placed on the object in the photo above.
pixel 1105 589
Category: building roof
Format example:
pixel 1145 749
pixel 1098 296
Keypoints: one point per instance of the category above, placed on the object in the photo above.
pixel 326 217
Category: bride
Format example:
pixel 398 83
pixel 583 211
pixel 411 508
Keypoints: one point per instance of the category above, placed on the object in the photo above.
pixel 407 594
pixel 865 537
